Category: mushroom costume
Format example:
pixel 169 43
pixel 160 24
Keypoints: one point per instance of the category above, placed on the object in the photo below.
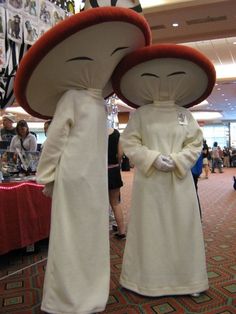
pixel 65 74
pixel 164 252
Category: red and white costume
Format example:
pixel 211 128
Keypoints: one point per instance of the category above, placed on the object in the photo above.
pixel 66 75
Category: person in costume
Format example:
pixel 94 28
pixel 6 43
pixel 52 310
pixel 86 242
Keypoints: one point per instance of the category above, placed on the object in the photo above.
pixel 164 252
pixel 66 74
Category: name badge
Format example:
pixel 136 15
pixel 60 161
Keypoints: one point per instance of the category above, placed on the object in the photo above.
pixel 182 119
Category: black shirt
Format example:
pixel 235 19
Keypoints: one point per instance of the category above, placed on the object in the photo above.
pixel 113 141
pixel 7 135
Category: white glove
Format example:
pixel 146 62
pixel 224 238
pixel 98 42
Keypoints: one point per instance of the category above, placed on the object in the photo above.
pixel 164 163
pixel 48 189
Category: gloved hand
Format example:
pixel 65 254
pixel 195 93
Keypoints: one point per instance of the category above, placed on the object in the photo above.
pixel 48 189
pixel 164 163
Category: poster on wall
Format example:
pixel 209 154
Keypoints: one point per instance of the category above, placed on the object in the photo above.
pixel 58 15
pixel 45 11
pixel 31 32
pixel 43 28
pixel 2 22
pixel 15 5
pixel 2 53
pixel 31 8
pixel 14 26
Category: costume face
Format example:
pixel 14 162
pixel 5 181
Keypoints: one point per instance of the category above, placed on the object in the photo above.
pixel 164 72
pixel 80 52
pixel 164 79
pixel 87 65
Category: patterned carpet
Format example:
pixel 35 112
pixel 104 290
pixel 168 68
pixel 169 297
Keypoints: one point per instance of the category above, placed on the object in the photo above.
pixel 20 292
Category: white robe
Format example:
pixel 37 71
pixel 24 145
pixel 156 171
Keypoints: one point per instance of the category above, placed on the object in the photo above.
pixel 164 252
pixel 74 156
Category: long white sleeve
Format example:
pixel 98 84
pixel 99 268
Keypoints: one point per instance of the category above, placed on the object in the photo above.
pixel 56 140
pixel 131 141
pixel 187 157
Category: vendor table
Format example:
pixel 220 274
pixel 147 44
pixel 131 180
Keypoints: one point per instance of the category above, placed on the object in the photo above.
pixel 24 215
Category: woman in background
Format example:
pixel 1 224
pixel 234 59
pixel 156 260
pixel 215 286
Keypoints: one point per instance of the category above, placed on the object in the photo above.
pixel 114 180
pixel 24 140
pixel 205 156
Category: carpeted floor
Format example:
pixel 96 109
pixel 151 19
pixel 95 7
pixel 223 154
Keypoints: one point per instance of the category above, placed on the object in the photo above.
pixel 22 273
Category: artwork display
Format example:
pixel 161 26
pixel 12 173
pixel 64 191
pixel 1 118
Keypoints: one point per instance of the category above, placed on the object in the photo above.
pixel 31 32
pixel 2 53
pixel 22 22
pixel 24 19
pixel 29 161
pixel 14 26
pixel 2 22
pixel 15 165
pixel 9 163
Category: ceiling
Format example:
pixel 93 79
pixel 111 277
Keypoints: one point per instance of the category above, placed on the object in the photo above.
pixel 207 25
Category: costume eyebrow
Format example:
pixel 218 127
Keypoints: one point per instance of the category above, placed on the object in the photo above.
pixel 150 74
pixel 176 73
pixel 117 49
pixel 79 58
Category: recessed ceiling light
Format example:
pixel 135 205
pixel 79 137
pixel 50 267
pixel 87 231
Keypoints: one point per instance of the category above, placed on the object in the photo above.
pixel 225 71
pixel 226 99
pixel 206 115
pixel 175 24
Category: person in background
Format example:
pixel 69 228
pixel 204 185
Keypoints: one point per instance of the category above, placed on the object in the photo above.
pixel 46 126
pixel 8 131
pixel 24 140
pixel 221 155
pixel 226 155
pixel 114 180
pixel 216 160
pixel 205 161
pixel 196 172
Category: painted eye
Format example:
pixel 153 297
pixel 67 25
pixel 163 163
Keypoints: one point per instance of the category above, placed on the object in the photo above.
pixel 150 74
pixel 79 58
pixel 176 73
pixel 118 49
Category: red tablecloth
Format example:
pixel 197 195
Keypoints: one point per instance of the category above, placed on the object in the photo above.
pixel 24 215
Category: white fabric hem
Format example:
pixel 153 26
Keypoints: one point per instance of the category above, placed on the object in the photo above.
pixel 197 288
pixel 50 311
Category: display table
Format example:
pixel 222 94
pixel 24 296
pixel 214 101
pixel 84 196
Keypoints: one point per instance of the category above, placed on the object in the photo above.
pixel 24 215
